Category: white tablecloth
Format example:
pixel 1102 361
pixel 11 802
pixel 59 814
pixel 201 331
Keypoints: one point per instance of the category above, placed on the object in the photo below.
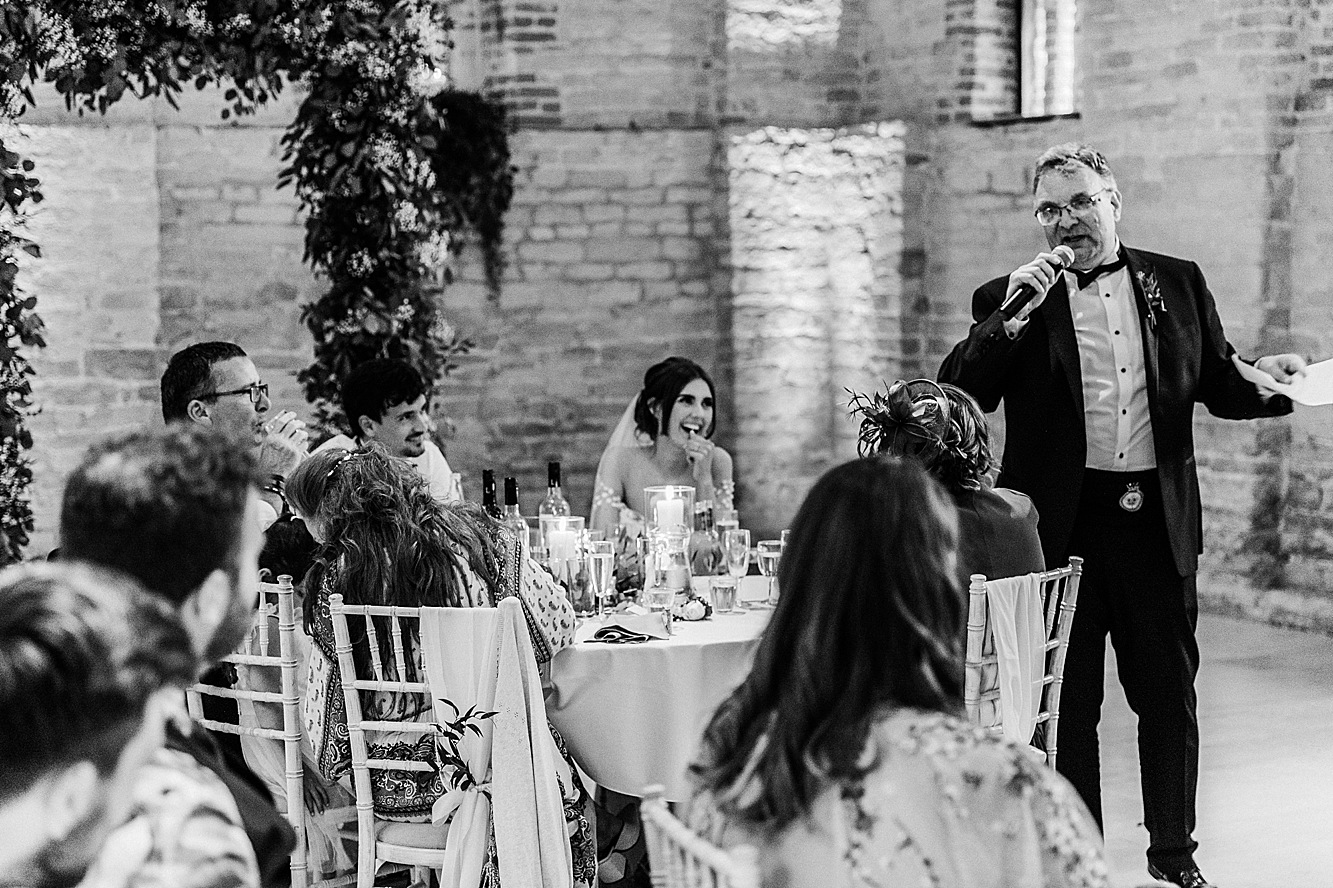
pixel 632 714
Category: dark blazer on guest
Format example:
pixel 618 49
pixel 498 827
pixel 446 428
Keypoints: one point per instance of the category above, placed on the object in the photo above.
pixel 1038 376
pixel 997 534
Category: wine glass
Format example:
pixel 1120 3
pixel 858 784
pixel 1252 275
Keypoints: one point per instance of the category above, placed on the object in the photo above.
pixel 770 553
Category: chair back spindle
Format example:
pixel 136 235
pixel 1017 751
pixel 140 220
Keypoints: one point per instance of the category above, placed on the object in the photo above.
pixel 981 690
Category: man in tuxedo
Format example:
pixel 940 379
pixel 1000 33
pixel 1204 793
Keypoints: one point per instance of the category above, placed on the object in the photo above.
pixel 1099 374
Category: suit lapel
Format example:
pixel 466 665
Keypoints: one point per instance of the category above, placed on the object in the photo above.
pixel 1064 347
pixel 1141 271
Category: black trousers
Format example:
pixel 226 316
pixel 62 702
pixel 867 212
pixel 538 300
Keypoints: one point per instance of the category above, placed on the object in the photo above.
pixel 1132 592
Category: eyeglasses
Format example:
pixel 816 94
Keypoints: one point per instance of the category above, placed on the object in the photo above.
pixel 257 391
pixel 1049 214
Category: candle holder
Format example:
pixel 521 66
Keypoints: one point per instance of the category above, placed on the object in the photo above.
pixel 669 507
pixel 561 535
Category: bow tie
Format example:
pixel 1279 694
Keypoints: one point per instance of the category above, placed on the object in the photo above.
pixel 1086 277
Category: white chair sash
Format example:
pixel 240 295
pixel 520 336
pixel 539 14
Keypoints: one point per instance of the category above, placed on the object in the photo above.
pixel 483 657
pixel 1018 623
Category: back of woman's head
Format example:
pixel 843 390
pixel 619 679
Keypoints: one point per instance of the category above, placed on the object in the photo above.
pixel 662 385
pixel 390 541
pixel 869 617
pixel 938 424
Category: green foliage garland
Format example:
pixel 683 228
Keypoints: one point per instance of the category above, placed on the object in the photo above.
pixel 392 169
pixel 20 326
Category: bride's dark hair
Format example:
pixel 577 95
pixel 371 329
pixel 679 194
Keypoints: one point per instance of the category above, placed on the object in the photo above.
pixel 870 618
pixel 662 385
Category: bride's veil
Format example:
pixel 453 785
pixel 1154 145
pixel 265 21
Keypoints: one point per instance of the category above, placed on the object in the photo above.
pixel 624 438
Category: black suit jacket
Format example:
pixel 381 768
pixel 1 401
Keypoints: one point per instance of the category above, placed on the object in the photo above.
pixel 1039 378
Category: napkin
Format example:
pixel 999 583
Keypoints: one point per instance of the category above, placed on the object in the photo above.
pixel 632 628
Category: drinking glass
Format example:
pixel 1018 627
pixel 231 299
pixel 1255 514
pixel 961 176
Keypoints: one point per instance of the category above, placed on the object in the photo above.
pixel 725 520
pixel 770 553
pixel 785 535
pixel 736 550
pixel 722 591
pixel 602 580
pixel 574 574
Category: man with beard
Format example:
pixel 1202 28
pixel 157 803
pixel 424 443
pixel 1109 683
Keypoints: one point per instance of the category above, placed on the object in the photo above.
pixel 385 401
pixel 178 510
pixel 89 666
pixel 1100 373
pixel 216 384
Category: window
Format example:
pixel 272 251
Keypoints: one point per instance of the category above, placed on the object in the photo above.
pixel 1046 65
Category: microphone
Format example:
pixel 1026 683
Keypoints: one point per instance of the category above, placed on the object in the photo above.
pixel 1026 292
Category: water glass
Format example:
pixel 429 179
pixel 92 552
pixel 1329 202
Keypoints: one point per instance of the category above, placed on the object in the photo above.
pixel 736 551
pixel 574 575
pixel 602 580
pixel 722 591
pixel 770 554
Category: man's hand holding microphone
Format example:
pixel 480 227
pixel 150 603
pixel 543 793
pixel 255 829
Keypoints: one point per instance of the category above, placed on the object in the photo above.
pixel 1028 286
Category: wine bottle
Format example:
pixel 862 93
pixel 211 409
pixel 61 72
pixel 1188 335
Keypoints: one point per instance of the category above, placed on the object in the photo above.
pixel 555 504
pixel 513 519
pixel 488 501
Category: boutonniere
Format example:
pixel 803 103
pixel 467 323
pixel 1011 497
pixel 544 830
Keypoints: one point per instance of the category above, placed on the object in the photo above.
pixel 1153 294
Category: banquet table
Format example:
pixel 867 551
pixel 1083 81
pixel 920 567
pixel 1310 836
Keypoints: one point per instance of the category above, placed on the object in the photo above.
pixel 632 714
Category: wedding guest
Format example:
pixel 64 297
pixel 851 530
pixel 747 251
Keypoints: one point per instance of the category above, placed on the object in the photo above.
pixel 89 666
pixel 385 540
pixel 1100 373
pixel 216 384
pixel 664 437
pixel 387 402
pixel 177 508
pixel 943 427
pixel 844 755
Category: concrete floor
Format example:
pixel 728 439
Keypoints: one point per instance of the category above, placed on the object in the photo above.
pixel 1265 816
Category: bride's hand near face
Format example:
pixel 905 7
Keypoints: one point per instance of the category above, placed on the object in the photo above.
pixel 699 452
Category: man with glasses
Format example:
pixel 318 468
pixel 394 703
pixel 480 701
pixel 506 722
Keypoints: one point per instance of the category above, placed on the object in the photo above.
pixel 1099 375
pixel 216 384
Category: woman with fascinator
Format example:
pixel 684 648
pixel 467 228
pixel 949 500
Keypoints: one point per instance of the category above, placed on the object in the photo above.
pixel 664 437
pixel 944 428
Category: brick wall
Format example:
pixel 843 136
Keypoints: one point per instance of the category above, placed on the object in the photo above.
pixel 163 225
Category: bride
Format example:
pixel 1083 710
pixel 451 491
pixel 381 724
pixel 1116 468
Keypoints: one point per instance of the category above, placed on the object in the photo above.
pixel 664 437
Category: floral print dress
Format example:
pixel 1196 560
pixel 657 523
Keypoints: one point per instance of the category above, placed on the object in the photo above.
pixel 943 805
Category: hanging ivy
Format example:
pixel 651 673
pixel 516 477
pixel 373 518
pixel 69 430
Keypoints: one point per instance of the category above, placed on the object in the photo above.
pixel 395 172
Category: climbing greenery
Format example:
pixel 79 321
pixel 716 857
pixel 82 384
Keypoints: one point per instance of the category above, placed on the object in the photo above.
pixel 395 171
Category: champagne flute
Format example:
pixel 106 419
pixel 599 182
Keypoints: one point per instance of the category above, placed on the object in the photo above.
pixel 770 554
pixel 602 580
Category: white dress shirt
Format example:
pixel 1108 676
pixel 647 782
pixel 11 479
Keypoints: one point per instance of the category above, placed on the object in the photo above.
pixel 1115 377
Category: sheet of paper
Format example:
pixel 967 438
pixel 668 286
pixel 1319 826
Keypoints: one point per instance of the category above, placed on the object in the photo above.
pixel 1313 389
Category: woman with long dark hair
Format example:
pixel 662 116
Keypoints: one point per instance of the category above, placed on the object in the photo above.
pixel 664 437
pixel 844 755
pixel 385 540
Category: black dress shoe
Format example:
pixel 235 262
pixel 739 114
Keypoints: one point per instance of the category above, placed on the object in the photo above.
pixel 1189 877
